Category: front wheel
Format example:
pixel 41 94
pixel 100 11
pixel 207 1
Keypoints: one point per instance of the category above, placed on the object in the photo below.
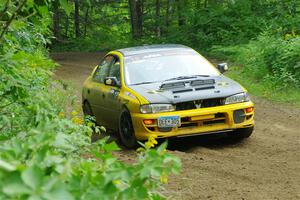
pixel 126 130
pixel 241 133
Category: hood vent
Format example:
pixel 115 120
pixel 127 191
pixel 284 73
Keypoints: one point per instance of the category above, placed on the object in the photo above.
pixel 205 88
pixel 181 91
pixel 203 82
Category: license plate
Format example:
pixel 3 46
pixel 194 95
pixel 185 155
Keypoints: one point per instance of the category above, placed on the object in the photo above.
pixel 169 121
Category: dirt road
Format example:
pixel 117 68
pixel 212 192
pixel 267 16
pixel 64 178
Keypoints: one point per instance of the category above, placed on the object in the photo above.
pixel 265 166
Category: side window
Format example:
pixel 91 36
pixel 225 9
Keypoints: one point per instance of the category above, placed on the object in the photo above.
pixel 115 69
pixel 102 70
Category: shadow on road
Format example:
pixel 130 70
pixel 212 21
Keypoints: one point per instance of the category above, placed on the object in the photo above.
pixel 184 144
pixel 217 141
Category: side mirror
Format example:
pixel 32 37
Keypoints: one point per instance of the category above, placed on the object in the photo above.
pixel 222 67
pixel 112 81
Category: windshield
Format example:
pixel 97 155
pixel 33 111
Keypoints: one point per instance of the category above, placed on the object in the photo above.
pixel 157 67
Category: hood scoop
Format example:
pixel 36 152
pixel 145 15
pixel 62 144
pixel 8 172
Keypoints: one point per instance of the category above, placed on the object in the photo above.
pixel 194 89
pixel 189 86
pixel 172 85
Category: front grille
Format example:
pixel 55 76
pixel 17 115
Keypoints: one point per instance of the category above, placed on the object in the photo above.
pixel 221 121
pixel 205 103
pixel 189 125
pixel 188 122
pixel 192 122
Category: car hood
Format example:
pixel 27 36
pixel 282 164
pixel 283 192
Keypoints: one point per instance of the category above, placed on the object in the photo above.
pixel 210 88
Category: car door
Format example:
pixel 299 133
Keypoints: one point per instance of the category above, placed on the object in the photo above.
pixel 112 100
pixel 97 90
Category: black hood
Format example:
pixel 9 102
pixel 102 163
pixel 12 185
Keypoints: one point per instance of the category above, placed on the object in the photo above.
pixel 186 90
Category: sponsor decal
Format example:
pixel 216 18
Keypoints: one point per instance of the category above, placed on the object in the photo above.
pixel 115 93
pixel 130 95
pixel 155 91
pixel 223 84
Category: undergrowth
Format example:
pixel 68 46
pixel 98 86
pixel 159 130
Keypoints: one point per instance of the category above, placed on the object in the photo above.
pixel 43 146
pixel 268 66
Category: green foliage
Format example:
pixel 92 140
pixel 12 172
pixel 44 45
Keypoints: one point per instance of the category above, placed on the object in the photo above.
pixel 66 6
pixel 46 153
pixel 103 26
pixel 95 43
pixel 200 24
pixel 289 95
pixel 269 58
pixel 57 168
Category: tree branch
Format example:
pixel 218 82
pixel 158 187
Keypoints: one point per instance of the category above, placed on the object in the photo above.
pixel 12 18
pixel 1 107
pixel 5 8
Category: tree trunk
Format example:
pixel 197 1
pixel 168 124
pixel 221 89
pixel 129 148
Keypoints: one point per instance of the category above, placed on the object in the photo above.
pixel 86 20
pixel 76 19
pixel 181 18
pixel 56 20
pixel 205 3
pixel 67 24
pixel 158 29
pixel 168 14
pixel 136 12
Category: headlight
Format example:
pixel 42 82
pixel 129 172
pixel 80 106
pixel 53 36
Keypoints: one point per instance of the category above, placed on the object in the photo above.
pixel 156 108
pixel 238 98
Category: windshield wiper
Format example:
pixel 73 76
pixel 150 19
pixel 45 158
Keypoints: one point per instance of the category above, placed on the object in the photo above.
pixel 185 77
pixel 146 82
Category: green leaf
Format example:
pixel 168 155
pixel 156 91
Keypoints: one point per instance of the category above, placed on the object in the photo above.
pixel 30 3
pixel 142 193
pixel 111 147
pixel 162 147
pixel 43 10
pixel 7 166
pixel 60 192
pixel 34 197
pixel 32 177
pixel 15 189
pixel 66 6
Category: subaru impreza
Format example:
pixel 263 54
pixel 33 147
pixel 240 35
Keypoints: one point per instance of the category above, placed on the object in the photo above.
pixel 165 91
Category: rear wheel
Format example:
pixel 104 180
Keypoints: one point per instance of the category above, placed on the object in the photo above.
pixel 87 110
pixel 126 130
pixel 89 116
pixel 241 133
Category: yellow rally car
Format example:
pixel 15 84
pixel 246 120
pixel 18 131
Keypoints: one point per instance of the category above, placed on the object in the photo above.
pixel 165 91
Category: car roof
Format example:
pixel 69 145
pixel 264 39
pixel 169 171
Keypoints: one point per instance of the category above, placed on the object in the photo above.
pixel 152 49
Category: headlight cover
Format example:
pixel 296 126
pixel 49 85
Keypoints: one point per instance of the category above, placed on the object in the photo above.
pixel 156 108
pixel 237 98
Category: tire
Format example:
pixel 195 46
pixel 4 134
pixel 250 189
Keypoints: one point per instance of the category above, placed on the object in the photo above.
pixel 87 111
pixel 241 133
pixel 126 131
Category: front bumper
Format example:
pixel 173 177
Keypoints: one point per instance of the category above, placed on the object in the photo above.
pixel 196 121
